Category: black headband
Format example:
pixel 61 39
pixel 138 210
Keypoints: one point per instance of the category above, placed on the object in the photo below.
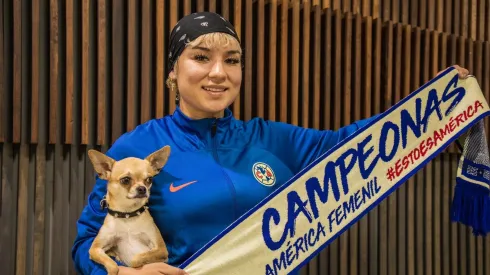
pixel 191 27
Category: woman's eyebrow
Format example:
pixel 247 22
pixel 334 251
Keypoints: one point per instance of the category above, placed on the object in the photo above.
pixel 208 50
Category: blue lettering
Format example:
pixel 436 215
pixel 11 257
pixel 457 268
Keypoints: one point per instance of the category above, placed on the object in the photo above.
pixel 344 171
pixel 313 187
pixel 458 92
pixel 293 201
pixel 432 105
pixel 364 155
pixel 384 136
pixel 407 121
pixel 269 214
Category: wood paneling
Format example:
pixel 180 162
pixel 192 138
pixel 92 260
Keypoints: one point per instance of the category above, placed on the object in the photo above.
pixel 77 74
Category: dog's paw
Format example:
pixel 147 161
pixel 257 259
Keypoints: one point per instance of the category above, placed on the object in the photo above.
pixel 137 261
pixel 112 269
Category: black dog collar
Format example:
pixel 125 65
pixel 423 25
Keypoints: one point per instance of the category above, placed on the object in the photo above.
pixel 118 214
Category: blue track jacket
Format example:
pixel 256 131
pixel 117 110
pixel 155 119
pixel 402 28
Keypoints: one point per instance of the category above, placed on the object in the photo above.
pixel 229 164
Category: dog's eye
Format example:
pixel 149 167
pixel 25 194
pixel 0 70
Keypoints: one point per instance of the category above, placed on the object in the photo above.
pixel 125 180
pixel 149 180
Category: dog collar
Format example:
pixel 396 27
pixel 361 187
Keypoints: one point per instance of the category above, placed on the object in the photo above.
pixel 118 214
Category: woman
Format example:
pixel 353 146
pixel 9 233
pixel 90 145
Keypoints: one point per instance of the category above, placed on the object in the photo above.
pixel 215 172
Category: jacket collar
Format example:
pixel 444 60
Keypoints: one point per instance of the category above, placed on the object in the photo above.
pixel 202 127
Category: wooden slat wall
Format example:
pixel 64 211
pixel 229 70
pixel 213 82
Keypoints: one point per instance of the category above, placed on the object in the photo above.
pixel 77 74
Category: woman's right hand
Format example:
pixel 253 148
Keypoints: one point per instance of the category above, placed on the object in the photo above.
pixel 152 269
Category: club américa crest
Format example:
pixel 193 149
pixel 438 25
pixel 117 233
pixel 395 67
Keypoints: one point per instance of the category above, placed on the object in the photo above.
pixel 263 173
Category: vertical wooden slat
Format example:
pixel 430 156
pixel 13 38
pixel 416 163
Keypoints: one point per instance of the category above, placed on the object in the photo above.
pixel 174 8
pixel 3 71
pixel 448 18
pixel 248 59
pixel 17 70
pixel 345 76
pixel 393 200
pixel 395 9
pixel 337 64
pixel 305 86
pixel 327 50
pixel 376 9
pixel 478 72
pixel 487 24
pixel 386 78
pixel 283 83
pixel 317 54
pixel 237 22
pixel 464 11
pixel 473 18
pixel 367 42
pixel 405 235
pixel 117 47
pixel 22 200
pixel 10 186
pixel 440 8
pixel 86 49
pixel 422 14
pixel 225 8
pixel 294 55
pixel 386 7
pixel 374 242
pixel 102 112
pixel 187 7
pixel 35 45
pixel 414 13
pixel 132 67
pixel 431 14
pixel 405 12
pixel 212 6
pixel 161 57
pixel 481 20
pixel 430 50
pixel 200 5
pixel 146 64
pixel 260 75
pixel 366 8
pixel 69 72
pixel 272 59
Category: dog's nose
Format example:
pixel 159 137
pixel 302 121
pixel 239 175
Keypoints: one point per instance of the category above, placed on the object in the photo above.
pixel 141 190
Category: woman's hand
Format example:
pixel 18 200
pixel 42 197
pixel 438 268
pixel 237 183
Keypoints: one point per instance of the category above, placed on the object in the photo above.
pixel 462 72
pixel 152 269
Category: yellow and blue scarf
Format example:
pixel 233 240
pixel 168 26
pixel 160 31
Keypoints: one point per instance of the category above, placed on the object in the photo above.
pixel 292 225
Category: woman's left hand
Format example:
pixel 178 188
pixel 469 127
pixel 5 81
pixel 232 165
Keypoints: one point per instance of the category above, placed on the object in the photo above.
pixel 462 72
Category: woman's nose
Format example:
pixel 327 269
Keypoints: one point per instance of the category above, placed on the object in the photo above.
pixel 218 72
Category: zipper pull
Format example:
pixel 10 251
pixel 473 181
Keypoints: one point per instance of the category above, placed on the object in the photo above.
pixel 213 129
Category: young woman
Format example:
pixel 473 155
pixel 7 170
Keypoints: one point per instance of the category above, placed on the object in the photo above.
pixel 219 167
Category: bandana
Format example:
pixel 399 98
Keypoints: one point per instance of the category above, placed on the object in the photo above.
pixel 191 27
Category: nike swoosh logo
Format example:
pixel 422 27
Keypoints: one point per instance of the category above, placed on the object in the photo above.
pixel 177 188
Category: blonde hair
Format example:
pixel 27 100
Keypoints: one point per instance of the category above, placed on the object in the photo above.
pixel 209 40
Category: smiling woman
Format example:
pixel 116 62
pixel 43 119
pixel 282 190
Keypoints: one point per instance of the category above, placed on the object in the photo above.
pixel 207 76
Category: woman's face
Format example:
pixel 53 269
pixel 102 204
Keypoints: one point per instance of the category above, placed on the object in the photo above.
pixel 208 79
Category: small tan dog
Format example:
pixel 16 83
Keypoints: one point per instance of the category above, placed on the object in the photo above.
pixel 128 232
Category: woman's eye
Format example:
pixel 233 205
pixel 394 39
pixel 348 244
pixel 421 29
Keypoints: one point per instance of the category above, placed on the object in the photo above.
pixel 125 180
pixel 200 57
pixel 233 60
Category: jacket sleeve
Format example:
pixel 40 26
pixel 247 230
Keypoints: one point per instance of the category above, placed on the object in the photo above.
pixel 91 220
pixel 298 146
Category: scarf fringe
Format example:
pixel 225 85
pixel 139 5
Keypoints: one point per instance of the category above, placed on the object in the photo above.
pixel 471 206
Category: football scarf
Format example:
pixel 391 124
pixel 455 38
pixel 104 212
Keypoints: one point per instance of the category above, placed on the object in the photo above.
pixel 292 225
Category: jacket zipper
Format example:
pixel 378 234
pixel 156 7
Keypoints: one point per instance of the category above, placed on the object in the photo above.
pixel 216 158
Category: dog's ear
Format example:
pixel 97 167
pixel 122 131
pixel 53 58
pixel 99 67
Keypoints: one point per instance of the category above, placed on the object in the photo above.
pixel 159 158
pixel 102 163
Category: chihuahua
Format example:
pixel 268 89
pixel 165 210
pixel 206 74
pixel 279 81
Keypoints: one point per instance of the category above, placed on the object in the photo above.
pixel 128 233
